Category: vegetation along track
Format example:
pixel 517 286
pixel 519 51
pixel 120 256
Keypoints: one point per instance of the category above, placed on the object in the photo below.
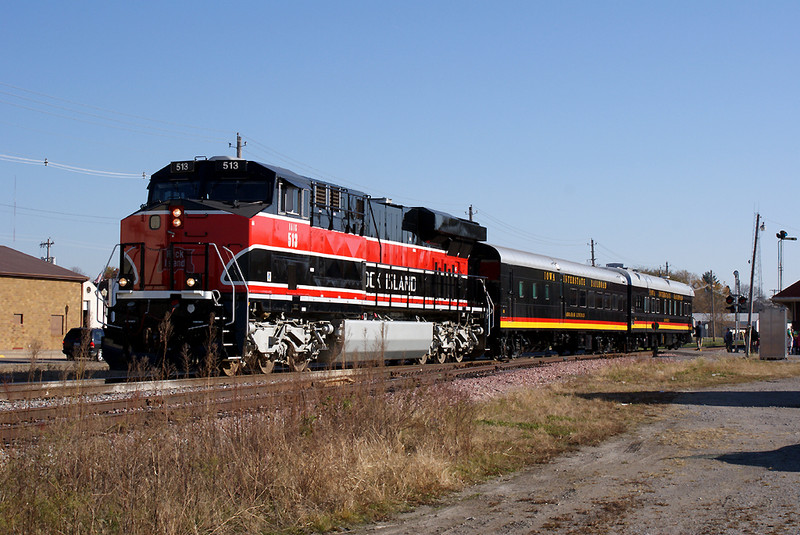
pixel 26 408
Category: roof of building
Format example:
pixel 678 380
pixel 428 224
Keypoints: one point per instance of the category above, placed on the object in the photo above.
pixel 16 264
pixel 788 295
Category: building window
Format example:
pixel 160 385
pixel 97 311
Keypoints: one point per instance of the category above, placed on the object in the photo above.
pixel 17 319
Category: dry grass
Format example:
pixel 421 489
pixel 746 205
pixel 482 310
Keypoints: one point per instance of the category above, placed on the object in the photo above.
pixel 323 460
pixel 650 375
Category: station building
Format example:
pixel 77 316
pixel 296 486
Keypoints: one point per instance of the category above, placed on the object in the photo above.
pixel 39 301
pixel 790 298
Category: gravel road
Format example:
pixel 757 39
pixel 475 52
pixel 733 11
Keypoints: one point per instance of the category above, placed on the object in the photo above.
pixel 717 461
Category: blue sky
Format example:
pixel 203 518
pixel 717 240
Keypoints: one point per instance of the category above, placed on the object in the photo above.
pixel 656 129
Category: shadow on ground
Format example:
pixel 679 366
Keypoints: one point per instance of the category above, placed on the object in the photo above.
pixel 786 459
pixel 769 398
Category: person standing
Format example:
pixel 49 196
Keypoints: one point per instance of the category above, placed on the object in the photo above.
pixel 728 338
pixel 698 335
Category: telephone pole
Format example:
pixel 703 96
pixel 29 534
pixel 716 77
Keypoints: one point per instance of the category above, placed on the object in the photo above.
pixel 713 317
pixel 592 245
pixel 752 278
pixel 47 245
pixel 239 145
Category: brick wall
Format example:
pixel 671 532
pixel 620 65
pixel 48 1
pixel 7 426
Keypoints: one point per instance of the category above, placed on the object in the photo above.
pixel 37 310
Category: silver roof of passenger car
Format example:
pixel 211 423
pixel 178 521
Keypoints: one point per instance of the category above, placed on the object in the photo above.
pixel 549 263
pixel 651 282
pixel 615 274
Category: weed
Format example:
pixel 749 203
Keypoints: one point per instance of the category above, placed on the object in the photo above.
pixel 324 459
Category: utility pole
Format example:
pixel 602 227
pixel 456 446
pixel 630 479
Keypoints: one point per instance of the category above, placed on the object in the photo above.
pixel 239 145
pixel 14 232
pixel 713 317
pixel 750 296
pixel 736 305
pixel 593 264
pixel 46 245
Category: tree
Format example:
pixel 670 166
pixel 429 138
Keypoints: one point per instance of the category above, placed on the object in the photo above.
pixel 710 279
pixel 111 273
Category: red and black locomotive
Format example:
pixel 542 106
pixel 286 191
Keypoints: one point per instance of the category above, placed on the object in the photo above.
pixel 252 265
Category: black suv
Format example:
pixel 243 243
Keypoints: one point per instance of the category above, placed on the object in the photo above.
pixel 83 342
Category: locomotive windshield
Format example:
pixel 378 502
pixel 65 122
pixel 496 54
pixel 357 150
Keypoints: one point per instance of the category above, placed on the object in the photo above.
pixel 225 180
pixel 178 189
pixel 223 190
pixel 239 190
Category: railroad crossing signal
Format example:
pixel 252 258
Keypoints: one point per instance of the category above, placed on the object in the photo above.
pixel 734 304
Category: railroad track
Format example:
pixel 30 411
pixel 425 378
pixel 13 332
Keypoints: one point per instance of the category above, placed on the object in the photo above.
pixel 27 409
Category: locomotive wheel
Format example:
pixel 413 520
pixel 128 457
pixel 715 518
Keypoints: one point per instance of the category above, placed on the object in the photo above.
pixel 423 359
pixel 231 368
pixel 296 362
pixel 458 357
pixel 265 365
pixel 298 365
pixel 441 357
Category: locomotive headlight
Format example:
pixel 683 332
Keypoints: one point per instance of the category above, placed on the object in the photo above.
pixel 190 282
pixel 123 282
pixel 177 217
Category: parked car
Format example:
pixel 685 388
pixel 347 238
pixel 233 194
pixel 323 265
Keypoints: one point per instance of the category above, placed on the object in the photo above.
pixel 83 342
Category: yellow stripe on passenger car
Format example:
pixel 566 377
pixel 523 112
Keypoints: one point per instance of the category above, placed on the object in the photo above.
pixel 648 325
pixel 563 324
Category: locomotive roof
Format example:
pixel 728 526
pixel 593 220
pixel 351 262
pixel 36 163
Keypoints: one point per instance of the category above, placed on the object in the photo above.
pixel 166 173
pixel 303 181
pixel 549 263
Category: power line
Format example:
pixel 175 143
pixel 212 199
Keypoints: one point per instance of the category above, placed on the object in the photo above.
pixel 297 165
pixel 139 129
pixel 67 214
pixel 97 108
pixel 517 231
pixel 70 168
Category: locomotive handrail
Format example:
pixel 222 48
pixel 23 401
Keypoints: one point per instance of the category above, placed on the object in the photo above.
pixel 233 285
pixel 238 268
pixel 490 308
pixel 106 300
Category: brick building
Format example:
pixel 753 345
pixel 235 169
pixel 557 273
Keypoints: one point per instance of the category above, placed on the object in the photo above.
pixel 39 301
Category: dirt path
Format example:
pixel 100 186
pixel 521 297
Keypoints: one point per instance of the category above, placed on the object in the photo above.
pixel 723 461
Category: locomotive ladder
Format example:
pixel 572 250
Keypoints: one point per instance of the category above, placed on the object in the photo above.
pixel 227 335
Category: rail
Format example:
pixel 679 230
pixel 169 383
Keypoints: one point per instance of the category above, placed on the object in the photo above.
pixel 29 409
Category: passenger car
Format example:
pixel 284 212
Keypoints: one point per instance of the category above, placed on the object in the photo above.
pixel 82 342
